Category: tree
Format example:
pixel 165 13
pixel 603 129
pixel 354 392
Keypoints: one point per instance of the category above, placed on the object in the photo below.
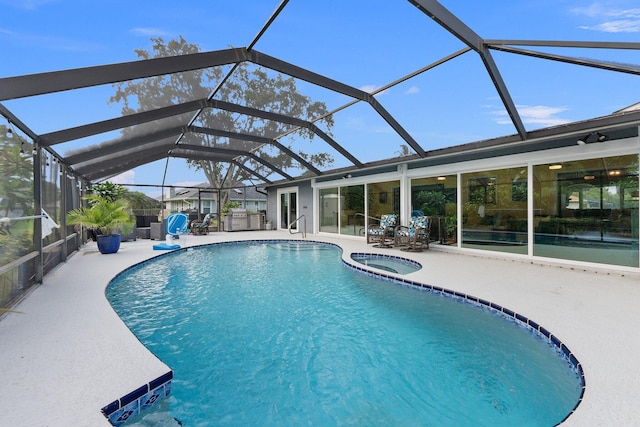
pixel 16 194
pixel 16 174
pixel 404 151
pixel 431 202
pixel 108 191
pixel 253 87
pixel 139 200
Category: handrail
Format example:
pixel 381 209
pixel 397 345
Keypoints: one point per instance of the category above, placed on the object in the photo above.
pixel 295 221
pixel 368 217
pixel 362 230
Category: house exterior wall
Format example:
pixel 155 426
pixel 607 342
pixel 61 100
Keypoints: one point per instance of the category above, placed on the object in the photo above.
pixel 523 215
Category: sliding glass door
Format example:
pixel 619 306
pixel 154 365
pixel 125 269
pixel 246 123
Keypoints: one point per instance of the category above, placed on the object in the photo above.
pixel 287 208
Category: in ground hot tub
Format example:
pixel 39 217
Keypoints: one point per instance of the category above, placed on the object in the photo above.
pixel 392 264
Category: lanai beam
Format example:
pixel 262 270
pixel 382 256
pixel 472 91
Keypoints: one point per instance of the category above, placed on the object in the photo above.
pixel 217 158
pixel 255 138
pixel 77 78
pixel 464 33
pixel 233 153
pixel 335 86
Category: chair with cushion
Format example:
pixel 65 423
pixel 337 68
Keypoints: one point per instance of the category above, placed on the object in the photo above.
pixel 382 233
pixel 201 227
pixel 415 236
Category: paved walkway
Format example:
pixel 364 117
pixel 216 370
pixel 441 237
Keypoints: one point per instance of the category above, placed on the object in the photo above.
pixel 67 354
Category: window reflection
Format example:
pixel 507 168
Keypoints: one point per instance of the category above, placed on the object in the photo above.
pixel 588 210
pixel 495 211
pixel 352 218
pixel 329 209
pixel 436 197
pixel 383 198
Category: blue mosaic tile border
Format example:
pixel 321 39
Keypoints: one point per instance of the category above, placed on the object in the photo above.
pixel 551 339
pixel 130 405
pixel 366 255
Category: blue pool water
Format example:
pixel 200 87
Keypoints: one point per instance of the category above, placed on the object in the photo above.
pixel 273 335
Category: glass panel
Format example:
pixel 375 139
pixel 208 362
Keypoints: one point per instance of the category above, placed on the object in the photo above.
pixel 436 197
pixel 16 203
pixel 284 210
pixel 495 210
pixel 587 210
pixel 16 195
pixel 383 198
pixel 50 198
pixel 352 210
pixel 329 210
pixel 293 209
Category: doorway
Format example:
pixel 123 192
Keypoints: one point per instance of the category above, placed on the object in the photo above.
pixel 287 208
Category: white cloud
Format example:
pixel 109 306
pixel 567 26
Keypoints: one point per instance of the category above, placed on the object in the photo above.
pixel 26 4
pixel 536 115
pixel 613 20
pixel 593 10
pixel 50 42
pixel 371 89
pixel 620 26
pixel 359 124
pixel 148 32
pixel 412 90
pixel 127 177
pixel 187 183
pixel 368 88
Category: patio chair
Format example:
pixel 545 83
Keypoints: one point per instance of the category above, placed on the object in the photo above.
pixel 201 227
pixel 382 233
pixel 415 236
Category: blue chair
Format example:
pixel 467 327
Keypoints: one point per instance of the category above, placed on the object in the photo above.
pixel 415 236
pixel 382 233
pixel 177 224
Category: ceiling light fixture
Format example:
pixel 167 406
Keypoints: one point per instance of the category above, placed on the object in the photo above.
pixel 599 138
pixel 555 167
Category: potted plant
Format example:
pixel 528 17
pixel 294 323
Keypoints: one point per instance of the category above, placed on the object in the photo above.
pixel 451 228
pixel 108 218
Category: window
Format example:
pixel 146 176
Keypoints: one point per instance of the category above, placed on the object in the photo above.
pixel 587 210
pixel 495 214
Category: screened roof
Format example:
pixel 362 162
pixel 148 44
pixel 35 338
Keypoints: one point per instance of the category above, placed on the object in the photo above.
pixel 381 81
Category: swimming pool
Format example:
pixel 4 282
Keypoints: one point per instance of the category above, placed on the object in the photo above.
pixel 260 334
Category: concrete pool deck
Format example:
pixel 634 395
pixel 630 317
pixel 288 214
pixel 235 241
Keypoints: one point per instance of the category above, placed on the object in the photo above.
pixel 66 354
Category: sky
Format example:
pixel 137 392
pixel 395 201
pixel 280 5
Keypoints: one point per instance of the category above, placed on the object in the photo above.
pixel 365 44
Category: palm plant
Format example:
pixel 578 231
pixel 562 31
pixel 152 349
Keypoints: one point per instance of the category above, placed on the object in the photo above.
pixel 104 216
